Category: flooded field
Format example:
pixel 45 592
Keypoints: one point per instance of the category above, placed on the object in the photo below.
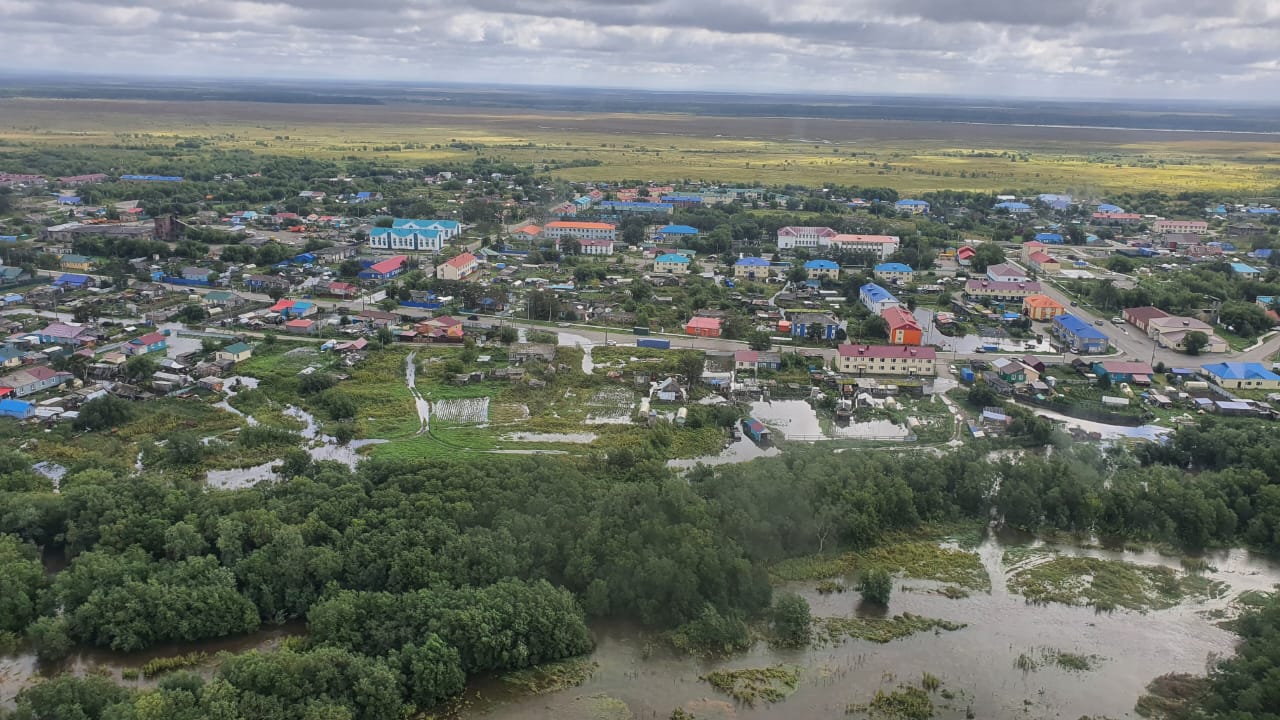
pixel 978 665
pixel 797 420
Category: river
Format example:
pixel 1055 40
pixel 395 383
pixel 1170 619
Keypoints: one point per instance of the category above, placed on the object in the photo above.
pixel 976 663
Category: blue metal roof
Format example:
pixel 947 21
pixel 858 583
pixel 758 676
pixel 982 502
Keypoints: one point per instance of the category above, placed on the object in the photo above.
pixel 752 262
pixel 1048 237
pixel 679 230
pixel 152 178
pixel 1243 269
pixel 1240 371
pixel 672 258
pixel 1079 328
pixel 893 267
pixel 1010 205
pixel 875 293
pixel 1109 208
pixel 821 265
pixel 1261 211
pixel 911 203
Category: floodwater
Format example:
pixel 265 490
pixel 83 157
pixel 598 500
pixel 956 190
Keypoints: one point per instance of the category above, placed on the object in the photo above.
pixel 572 340
pixel 797 420
pixel 20 671
pixel 975 663
pixel 534 437
pixel 231 386
pixel 1155 433
pixel 970 343
pixel 419 403
pixel 740 451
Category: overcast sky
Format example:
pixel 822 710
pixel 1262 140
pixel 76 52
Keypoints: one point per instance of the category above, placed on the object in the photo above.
pixel 1079 48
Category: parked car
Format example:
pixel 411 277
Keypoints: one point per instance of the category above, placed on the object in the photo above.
pixel 1099 322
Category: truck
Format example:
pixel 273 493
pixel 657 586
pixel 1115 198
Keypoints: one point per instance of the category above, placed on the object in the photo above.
pixel 654 343
pixel 639 330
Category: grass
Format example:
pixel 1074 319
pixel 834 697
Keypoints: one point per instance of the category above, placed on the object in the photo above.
pixel 904 703
pixel 1168 695
pixel 910 555
pixel 1109 584
pixel 159 666
pixel 879 630
pixel 550 677
pixel 911 157
pixel 1037 658
pixel 749 685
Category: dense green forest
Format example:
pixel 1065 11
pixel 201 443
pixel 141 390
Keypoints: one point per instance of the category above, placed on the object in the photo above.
pixel 413 575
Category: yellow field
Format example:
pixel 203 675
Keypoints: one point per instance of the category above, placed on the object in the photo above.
pixel 908 156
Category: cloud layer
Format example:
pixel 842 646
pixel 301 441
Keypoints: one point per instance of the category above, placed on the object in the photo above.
pixel 1079 48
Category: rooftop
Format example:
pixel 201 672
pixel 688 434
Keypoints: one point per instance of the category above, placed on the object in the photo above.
pixel 821 265
pixel 888 352
pixel 672 258
pixel 752 262
pixel 894 267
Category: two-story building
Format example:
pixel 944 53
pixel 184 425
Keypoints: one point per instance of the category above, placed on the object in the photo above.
pixel 457 268
pixel 876 299
pixel 1078 335
pixel 671 263
pixel 899 360
pixel 903 327
pixel 1000 290
pixel 792 237
pixel 1042 307
pixel 752 268
pixel 561 229
pixel 385 269
pixel 1196 227
pixel 802 325
pixel 822 270
pixel 881 246
pixel 1006 272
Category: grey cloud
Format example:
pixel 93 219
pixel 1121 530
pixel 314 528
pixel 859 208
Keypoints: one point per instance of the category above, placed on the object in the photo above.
pixel 1081 47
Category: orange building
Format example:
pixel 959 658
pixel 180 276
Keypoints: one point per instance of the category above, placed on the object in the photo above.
pixel 1042 307
pixel 703 327
pixel 903 328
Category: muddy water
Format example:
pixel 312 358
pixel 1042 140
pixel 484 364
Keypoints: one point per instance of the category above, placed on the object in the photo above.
pixel 740 451
pixel 797 420
pixel 976 663
pixel 20 671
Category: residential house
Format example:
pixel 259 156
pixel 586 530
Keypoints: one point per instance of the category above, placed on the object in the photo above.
pixel 894 272
pixel 1081 337
pixel 1042 307
pixel 803 325
pixel 293 308
pixel 196 274
pixel 671 263
pixel 76 262
pixel 236 352
pixel 792 237
pixel 670 390
pixel 903 327
pixel 66 334
pixel 822 270
pixel 677 233
pixel 964 256
pixel 876 299
pixel 1116 218
pixel 881 246
pixel 526 352
pixel 595 247
pixel 1122 371
pixel 146 344
pixel 913 207
pixel 1014 371
pixel 703 327
pixel 526 233
pixel 752 268
pixel 376 318
pixel 11 356
pixel 441 329
pixel 11 274
pixel 1006 272
pixel 1013 207
pixel 1197 227
pixel 756 360
pixel 1044 263
pixel 17 409
pixel 300 326
pixel 1000 290
pixel 362 197
pixel 1242 376
pixel 901 360
pixel 71 281
pixel 338 289
pixel 28 381
pixel 458 267
pixel 266 283
pixel 223 299
pixel 1245 271
pixel 335 253
pixel 561 229
pixel 385 269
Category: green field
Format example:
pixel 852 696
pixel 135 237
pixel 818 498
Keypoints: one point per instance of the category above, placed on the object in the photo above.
pixel 908 156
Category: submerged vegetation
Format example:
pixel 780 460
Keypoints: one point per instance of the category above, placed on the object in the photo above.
pixel 749 685
pixel 1037 658
pixel 1109 584
pixel 879 630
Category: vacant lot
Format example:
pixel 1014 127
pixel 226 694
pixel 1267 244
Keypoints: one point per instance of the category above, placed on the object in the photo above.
pixel 909 156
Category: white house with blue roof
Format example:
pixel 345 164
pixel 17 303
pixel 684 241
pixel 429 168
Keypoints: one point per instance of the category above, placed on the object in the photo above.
pixel 1013 207
pixel 677 232
pixel 822 270
pixel 752 268
pixel 894 272
pixel 1080 336
pixel 1242 375
pixel 914 207
pixel 1245 271
pixel 671 263
pixel 876 299
pixel 410 235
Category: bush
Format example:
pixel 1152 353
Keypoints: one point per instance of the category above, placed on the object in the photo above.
pixel 50 639
pixel 876 585
pixel 791 620
pixel 712 634
pixel 105 412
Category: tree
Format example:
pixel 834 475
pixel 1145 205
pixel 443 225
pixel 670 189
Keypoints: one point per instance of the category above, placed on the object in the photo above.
pixel 986 255
pixel 1076 236
pixel 690 366
pixel 105 412
pixel 1195 341
pixel 140 367
pixel 22 579
pixel 50 639
pixel 348 269
pixel 759 340
pixel 791 620
pixel 876 584
pixel 275 292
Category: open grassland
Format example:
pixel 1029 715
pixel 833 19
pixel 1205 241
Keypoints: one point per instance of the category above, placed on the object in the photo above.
pixel 909 156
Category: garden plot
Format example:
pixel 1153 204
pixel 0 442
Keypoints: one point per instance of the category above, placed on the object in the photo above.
pixel 463 411
pixel 610 406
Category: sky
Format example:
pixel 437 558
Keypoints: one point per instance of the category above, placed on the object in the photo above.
pixel 1107 49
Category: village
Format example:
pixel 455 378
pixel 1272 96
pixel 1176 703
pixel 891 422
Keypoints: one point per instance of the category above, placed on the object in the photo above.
pixel 813 334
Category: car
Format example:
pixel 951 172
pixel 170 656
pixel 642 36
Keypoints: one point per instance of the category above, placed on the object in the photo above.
pixel 612 343
pixel 1099 322
pixel 1117 321
pixel 1073 303
pixel 473 317
pixel 562 324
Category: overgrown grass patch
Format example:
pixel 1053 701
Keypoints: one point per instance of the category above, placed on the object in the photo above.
pixel 749 685
pixel 878 630
pixel 1109 584
pixel 1037 658
pixel 550 677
